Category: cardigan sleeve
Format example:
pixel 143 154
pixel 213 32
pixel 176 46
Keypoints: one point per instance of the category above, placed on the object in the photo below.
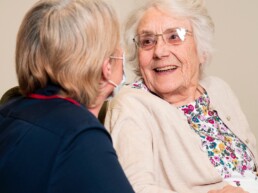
pixel 133 143
pixel 89 164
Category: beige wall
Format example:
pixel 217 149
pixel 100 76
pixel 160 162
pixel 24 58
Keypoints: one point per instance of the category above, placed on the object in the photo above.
pixel 11 14
pixel 234 60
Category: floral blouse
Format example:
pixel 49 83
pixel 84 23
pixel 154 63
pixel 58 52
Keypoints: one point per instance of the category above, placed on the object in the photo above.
pixel 226 152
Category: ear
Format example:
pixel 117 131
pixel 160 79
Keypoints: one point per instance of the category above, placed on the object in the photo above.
pixel 106 69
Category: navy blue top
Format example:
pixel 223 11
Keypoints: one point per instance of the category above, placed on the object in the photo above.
pixel 55 146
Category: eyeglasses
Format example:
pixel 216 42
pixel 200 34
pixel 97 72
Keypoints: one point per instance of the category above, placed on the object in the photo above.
pixel 119 58
pixel 173 36
pixel 124 78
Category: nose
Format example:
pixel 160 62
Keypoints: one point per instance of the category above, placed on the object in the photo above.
pixel 161 49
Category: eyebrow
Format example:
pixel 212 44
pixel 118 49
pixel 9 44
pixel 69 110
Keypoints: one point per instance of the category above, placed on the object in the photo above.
pixel 146 32
pixel 151 32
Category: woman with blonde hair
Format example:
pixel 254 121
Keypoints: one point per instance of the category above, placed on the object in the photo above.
pixel 68 61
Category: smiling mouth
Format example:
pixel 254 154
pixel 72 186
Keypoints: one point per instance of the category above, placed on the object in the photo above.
pixel 165 68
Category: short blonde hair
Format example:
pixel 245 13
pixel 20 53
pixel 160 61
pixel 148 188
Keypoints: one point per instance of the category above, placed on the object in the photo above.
pixel 65 42
pixel 193 10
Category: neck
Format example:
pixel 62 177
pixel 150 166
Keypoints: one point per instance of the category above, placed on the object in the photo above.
pixel 101 98
pixel 95 110
pixel 184 97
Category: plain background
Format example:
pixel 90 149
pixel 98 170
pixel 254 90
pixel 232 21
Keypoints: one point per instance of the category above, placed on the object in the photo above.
pixel 236 44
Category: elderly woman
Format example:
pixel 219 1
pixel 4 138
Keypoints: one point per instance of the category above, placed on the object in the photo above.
pixel 174 129
pixel 50 138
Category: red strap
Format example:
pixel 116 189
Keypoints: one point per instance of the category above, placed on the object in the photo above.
pixel 44 97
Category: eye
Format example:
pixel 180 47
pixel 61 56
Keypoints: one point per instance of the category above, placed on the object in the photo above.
pixel 147 41
pixel 173 37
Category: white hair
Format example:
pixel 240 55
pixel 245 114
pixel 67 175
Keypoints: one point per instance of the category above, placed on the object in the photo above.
pixel 193 10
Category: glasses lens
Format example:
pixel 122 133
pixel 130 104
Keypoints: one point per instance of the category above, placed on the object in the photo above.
pixel 175 36
pixel 146 41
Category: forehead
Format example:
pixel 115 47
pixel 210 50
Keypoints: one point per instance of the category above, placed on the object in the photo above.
pixel 157 21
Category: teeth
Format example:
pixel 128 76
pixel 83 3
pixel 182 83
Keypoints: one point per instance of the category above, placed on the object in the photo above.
pixel 166 68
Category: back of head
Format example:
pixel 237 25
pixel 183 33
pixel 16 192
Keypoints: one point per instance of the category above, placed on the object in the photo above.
pixel 193 10
pixel 65 42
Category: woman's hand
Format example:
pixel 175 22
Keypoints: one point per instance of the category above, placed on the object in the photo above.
pixel 229 189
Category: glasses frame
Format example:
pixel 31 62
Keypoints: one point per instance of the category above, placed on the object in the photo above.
pixel 117 57
pixel 123 67
pixel 176 29
pixel 120 58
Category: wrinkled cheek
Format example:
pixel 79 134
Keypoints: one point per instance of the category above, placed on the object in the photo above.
pixel 144 72
pixel 190 73
pixel 144 59
pixel 146 75
pixel 145 63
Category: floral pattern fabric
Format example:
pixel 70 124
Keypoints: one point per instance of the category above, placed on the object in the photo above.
pixel 227 153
